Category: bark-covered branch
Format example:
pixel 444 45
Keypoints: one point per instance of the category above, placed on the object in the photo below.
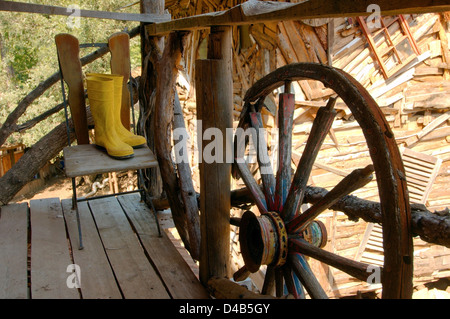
pixel 31 123
pixel 34 159
pixel 186 220
pixel 431 227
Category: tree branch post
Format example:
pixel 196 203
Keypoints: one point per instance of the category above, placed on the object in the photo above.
pixel 151 51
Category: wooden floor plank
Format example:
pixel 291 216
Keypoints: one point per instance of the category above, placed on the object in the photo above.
pixel 13 251
pixel 49 251
pixel 134 273
pixel 175 272
pixel 96 276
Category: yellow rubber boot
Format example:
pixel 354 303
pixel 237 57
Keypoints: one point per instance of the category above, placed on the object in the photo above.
pixel 125 135
pixel 101 99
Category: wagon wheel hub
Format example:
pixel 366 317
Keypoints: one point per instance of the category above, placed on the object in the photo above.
pixel 264 239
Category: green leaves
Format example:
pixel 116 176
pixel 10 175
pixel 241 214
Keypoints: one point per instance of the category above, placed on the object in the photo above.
pixel 28 57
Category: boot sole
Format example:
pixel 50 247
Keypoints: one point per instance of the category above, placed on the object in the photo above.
pixel 139 146
pixel 115 157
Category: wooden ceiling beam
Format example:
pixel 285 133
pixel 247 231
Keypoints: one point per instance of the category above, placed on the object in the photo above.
pixel 264 11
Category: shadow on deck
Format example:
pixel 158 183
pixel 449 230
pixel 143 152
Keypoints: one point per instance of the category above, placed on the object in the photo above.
pixel 123 255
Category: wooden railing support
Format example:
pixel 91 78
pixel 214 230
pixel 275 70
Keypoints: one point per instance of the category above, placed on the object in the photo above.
pixel 214 92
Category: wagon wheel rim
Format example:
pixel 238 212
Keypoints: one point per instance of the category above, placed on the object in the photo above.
pixel 280 196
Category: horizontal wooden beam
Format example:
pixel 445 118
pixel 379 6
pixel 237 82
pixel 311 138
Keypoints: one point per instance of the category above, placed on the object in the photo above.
pixel 264 11
pixel 54 10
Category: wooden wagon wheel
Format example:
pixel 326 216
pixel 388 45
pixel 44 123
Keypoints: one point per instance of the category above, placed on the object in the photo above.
pixel 280 237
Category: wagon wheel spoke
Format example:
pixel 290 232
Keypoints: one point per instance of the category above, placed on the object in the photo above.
pixel 289 282
pixel 356 269
pixel 355 180
pixel 252 186
pixel 269 281
pixel 320 128
pixel 265 166
pixel 285 125
pixel 308 279
pixel 295 290
pixel 279 282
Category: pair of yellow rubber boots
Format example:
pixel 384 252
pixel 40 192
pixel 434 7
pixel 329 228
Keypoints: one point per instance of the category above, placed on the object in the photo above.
pixel 105 99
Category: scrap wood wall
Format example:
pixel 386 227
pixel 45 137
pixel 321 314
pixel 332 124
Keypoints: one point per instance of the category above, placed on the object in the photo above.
pixel 415 101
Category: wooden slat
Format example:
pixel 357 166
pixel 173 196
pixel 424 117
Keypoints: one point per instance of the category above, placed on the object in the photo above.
pixel 413 188
pixel 417 168
pixel 375 247
pixel 49 251
pixel 68 50
pixel 418 156
pixel 413 174
pixel 119 45
pixel 89 159
pixel 96 276
pixel 423 168
pixel 417 172
pixel 373 257
pixel 424 164
pixel 415 181
pixel 134 273
pixel 13 251
pixel 173 269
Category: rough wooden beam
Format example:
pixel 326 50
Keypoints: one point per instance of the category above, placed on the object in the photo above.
pixel 431 227
pixel 214 93
pixel 258 11
pixel 54 10
pixel 166 69
pixel 151 50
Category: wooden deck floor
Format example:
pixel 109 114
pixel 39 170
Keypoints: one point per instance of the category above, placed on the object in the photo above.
pixel 123 256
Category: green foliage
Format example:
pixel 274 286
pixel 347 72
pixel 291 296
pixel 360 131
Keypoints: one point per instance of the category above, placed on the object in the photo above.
pixel 28 56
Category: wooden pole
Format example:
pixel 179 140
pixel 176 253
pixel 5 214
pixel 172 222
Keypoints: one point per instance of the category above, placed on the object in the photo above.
pixel 214 92
pixel 151 49
pixel 185 216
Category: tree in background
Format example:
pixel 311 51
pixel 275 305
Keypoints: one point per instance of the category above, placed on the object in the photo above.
pixel 28 57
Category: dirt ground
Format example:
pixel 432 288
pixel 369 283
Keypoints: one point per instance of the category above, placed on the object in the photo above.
pixel 56 187
pixel 61 186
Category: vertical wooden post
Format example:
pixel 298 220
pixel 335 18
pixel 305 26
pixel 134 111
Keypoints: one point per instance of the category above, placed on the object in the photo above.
pixel 214 92
pixel 151 48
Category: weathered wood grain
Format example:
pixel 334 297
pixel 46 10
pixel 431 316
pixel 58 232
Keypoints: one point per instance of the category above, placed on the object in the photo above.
pixel 13 251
